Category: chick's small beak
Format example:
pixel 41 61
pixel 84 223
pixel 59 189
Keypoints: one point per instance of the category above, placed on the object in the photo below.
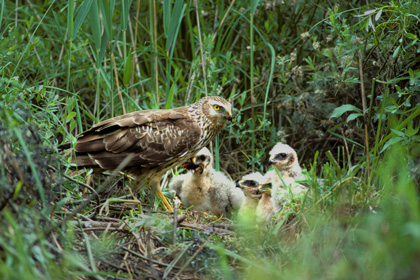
pixel 270 162
pixel 194 160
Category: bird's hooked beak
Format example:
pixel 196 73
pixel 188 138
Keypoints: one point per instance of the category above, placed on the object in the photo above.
pixel 229 117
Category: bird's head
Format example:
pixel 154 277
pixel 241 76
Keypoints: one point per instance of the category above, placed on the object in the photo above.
pixel 251 184
pixel 200 162
pixel 283 157
pixel 217 110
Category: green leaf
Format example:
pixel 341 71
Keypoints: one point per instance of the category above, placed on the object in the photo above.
pixel 1 12
pixel 107 10
pixel 170 97
pixel 81 15
pixel 254 4
pixel 397 50
pixel 378 15
pixel 353 116
pixel 343 109
pixel 71 115
pixel 167 11
pixel 397 132
pixel 391 142
pixel 95 24
pixel 128 69
pixel 174 23
pixel 124 17
pixel 70 20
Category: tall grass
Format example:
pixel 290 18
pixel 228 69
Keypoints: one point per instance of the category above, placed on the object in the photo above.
pixel 336 81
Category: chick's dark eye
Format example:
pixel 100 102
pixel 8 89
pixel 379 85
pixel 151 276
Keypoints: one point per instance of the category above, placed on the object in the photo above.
pixel 281 156
pixel 202 158
pixel 250 183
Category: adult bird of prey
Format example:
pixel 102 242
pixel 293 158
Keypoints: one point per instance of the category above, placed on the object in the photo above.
pixel 155 140
pixel 285 160
pixel 206 189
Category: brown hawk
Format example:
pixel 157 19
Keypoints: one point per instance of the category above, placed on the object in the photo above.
pixel 156 140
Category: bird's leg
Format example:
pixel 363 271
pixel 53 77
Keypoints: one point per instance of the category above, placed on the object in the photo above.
pixel 155 184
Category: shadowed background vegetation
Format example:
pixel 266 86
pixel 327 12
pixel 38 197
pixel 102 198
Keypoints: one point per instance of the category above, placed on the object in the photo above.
pixel 337 80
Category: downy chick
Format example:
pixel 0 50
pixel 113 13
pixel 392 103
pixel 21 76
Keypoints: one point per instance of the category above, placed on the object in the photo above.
pixel 204 188
pixel 285 160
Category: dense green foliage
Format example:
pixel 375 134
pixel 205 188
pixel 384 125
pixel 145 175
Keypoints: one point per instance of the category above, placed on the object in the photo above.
pixel 339 82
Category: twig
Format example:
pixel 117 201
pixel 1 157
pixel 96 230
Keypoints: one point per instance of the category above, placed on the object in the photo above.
pixel 134 64
pixel 347 148
pixel 203 62
pixel 223 20
pixel 156 53
pixel 362 87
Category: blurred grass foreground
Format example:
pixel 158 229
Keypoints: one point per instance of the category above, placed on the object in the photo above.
pixel 339 81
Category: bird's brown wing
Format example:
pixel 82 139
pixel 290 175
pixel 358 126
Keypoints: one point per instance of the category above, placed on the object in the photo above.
pixel 152 137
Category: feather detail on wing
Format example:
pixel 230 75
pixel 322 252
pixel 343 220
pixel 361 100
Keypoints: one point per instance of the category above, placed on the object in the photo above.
pixel 152 137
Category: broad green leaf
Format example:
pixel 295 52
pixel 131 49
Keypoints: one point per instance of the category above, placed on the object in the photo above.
pixel 353 116
pixel 71 115
pixel 343 109
pixel 397 132
pixel 391 142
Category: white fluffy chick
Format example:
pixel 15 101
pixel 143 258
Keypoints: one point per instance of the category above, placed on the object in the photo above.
pixel 206 189
pixel 285 160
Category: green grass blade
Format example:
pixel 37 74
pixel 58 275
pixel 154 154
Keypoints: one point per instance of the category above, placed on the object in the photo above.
pixel 81 15
pixel 107 10
pixel 167 11
pixel 95 24
pixel 127 69
pixel 70 20
pixel 174 24
pixel 170 96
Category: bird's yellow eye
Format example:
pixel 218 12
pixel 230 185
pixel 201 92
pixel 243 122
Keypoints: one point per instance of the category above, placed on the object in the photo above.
pixel 216 107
